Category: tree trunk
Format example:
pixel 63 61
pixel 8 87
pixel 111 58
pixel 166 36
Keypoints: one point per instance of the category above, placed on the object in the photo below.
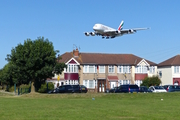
pixel 32 87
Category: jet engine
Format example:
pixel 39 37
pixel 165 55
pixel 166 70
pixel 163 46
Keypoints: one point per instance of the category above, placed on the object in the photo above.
pixel 117 32
pixel 92 33
pixel 86 33
pixel 131 31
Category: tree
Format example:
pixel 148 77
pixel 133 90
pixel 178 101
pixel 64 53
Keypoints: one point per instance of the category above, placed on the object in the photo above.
pixel 6 75
pixel 34 61
pixel 151 81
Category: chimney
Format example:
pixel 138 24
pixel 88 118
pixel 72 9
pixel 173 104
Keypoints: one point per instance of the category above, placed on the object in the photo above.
pixel 76 53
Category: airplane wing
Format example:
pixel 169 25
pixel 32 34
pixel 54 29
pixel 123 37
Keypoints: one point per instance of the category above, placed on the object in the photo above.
pixel 128 31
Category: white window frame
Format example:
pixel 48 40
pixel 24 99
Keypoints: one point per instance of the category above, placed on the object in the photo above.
pixel 86 69
pixel 89 83
pixel 112 68
pixel 72 68
pixel 141 69
pixel 124 69
pixel 124 82
pixel 176 69
pixel 138 82
pixel 120 69
pixel 152 69
pixel 103 69
pixel 86 83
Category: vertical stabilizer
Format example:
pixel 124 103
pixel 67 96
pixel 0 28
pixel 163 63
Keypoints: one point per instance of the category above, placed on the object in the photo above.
pixel 121 25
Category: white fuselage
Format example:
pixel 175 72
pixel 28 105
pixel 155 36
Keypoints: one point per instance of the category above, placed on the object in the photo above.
pixel 99 28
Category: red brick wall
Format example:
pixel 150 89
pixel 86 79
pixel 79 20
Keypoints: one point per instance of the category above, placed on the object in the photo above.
pixel 140 76
pixel 71 76
pixel 176 79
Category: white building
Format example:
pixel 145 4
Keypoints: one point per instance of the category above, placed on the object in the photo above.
pixel 169 71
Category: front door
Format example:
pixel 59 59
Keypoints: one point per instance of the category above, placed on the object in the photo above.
pixel 101 85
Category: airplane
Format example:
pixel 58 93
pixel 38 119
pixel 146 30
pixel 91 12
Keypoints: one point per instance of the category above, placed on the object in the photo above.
pixel 108 32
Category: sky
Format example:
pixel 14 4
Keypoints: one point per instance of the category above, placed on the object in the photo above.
pixel 63 22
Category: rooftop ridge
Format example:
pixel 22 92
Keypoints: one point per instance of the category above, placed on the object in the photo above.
pixel 107 53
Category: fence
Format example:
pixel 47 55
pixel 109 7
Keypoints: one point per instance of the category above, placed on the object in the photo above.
pixel 24 90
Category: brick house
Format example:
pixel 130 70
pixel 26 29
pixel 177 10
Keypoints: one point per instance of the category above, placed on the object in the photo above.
pixel 98 71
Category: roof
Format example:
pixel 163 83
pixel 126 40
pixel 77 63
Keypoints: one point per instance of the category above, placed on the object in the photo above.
pixel 171 61
pixel 104 58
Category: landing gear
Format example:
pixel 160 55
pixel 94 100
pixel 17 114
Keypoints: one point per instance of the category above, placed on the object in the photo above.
pixel 107 37
pixel 102 37
pixel 113 37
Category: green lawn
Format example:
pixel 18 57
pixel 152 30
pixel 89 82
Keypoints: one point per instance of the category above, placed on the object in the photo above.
pixel 127 106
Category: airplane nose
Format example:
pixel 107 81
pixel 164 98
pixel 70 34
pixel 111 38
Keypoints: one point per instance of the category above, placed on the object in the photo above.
pixel 94 27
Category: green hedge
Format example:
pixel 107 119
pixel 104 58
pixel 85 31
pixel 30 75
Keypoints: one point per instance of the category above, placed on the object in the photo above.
pixel 11 88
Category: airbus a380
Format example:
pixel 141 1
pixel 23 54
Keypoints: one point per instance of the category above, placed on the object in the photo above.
pixel 108 32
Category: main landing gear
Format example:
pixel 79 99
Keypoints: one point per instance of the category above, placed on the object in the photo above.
pixel 104 37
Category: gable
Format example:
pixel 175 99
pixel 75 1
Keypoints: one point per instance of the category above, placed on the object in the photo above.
pixel 72 61
pixel 143 63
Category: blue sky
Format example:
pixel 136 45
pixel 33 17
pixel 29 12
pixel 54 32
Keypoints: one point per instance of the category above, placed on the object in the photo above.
pixel 63 23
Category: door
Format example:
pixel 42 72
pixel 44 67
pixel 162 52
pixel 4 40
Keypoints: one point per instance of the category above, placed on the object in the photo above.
pixel 101 85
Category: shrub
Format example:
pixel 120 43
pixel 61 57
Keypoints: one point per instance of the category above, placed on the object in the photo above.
pixel 43 88
pixel 151 81
pixel 24 86
pixel 11 89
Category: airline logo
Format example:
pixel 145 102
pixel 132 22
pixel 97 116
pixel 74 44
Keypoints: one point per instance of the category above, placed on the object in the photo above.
pixel 121 26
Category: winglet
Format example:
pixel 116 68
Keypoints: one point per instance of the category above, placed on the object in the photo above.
pixel 121 25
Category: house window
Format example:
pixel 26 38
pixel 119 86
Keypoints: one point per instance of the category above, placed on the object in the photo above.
pixel 91 83
pixel 138 82
pixel 85 83
pixel 75 68
pixel 101 69
pixel 85 68
pixel 125 82
pixel 152 69
pixel 141 69
pixel 160 74
pixel 124 69
pixel 72 68
pixel 111 69
pixel 176 69
pixel 119 69
pixel 90 69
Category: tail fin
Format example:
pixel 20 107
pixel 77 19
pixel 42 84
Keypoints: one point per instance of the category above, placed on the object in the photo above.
pixel 121 25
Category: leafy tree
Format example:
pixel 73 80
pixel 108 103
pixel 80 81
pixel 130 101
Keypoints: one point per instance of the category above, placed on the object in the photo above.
pixel 34 61
pixel 6 75
pixel 149 81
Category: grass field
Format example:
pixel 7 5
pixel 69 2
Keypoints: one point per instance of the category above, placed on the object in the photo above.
pixel 141 106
